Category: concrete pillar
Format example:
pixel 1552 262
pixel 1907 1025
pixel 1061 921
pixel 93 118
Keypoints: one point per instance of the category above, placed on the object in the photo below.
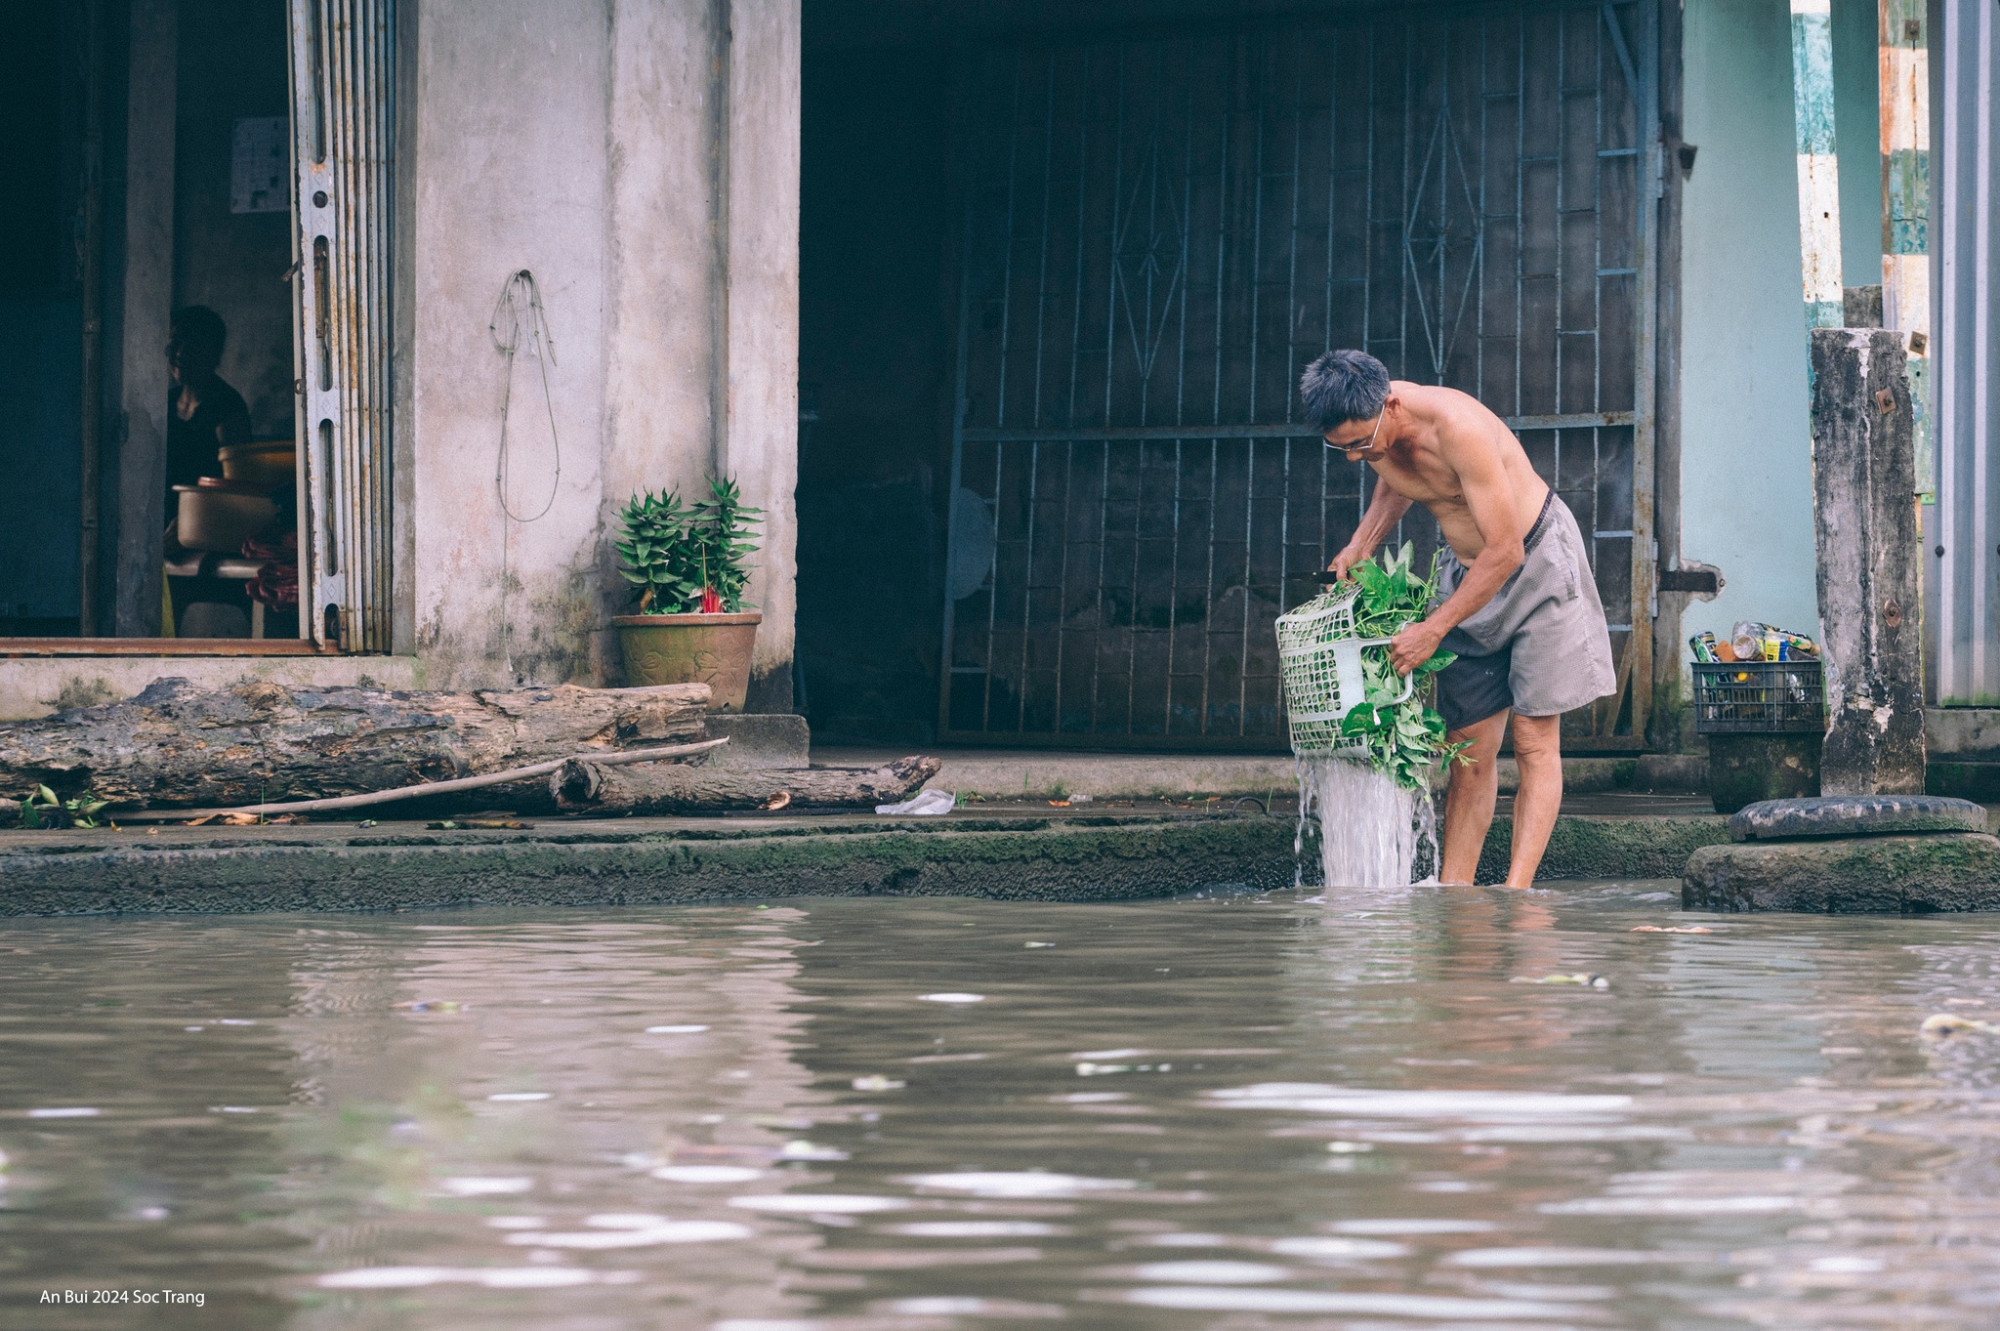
pixel 1870 562
pixel 761 344
pixel 148 298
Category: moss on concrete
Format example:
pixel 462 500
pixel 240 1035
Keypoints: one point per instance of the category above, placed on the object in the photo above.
pixel 1891 875
pixel 1030 860
pixel 1090 857
pixel 1601 848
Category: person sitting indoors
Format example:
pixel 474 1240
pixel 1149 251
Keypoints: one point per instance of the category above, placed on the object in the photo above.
pixel 204 414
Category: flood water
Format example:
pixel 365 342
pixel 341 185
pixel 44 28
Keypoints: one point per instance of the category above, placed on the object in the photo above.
pixel 1251 1112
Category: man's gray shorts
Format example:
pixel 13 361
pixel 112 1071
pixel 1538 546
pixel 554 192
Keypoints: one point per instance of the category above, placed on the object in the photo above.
pixel 1540 646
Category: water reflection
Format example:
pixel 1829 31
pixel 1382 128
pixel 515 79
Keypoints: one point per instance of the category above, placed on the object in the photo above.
pixel 1369 1111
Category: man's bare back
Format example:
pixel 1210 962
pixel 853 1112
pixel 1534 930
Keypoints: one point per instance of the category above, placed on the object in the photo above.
pixel 1445 428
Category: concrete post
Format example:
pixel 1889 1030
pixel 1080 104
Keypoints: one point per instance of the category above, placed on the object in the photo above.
pixel 149 283
pixel 1870 571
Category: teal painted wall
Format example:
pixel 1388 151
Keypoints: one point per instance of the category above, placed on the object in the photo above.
pixel 1746 468
pixel 1857 119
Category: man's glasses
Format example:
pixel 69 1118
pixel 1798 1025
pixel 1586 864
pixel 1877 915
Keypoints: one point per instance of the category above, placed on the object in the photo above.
pixel 1369 443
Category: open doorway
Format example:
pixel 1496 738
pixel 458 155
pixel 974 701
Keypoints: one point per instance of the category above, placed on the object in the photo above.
pixel 231 501
pixel 147 252
pixel 204 186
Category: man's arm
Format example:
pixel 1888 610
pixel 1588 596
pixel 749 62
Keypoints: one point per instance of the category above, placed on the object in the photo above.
pixel 1385 510
pixel 1491 502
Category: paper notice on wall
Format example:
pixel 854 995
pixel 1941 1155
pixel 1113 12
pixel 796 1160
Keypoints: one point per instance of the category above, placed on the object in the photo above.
pixel 260 166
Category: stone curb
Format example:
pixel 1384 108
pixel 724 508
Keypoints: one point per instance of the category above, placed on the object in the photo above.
pixel 1053 862
pixel 1887 875
pixel 331 868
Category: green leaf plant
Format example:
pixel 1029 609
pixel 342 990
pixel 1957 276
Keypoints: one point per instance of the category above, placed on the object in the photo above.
pixel 1403 739
pixel 687 559
pixel 45 809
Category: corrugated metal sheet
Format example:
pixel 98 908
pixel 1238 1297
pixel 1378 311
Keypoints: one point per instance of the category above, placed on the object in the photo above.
pixel 1967 233
pixel 343 114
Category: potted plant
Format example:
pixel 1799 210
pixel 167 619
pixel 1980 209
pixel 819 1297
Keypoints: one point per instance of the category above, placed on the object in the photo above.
pixel 686 564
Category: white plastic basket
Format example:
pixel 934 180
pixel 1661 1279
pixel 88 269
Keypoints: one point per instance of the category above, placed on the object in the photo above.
pixel 1320 660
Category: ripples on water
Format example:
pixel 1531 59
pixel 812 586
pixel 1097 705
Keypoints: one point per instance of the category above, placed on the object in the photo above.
pixel 1250 1113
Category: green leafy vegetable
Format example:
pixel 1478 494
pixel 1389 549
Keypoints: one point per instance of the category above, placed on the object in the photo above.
pixel 1403 739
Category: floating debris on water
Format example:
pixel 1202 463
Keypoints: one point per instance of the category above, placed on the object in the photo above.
pixel 675 1030
pixel 954 998
pixel 1671 929
pixel 518 1097
pixel 1587 981
pixel 1943 1025
pixel 878 1083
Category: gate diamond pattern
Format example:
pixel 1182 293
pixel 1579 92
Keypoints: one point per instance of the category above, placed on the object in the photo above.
pixel 1161 231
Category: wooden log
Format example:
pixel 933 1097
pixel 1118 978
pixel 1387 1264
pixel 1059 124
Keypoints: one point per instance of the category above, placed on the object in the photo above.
pixel 255 742
pixel 582 786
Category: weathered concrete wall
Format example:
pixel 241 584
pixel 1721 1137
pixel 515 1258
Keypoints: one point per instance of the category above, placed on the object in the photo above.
pixel 512 150
pixel 1870 563
pixel 640 158
pixel 1746 473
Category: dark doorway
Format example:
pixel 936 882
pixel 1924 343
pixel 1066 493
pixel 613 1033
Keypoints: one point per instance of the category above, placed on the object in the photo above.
pixel 41 321
pixel 98 242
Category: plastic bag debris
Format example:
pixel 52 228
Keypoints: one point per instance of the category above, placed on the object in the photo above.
pixel 1587 981
pixel 924 804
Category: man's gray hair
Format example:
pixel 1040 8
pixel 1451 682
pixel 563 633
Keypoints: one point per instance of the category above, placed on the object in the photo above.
pixel 1343 386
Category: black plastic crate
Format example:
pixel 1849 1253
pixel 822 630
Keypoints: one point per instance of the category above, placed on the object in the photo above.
pixel 1759 698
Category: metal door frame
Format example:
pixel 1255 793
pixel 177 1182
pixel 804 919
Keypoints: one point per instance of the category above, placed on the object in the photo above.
pixel 1634 29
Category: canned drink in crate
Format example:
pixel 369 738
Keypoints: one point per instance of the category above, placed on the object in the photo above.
pixel 1702 645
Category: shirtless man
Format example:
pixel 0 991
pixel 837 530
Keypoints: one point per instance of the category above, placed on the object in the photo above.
pixel 1516 600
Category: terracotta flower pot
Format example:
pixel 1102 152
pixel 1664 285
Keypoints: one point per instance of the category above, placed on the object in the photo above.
pixel 691 649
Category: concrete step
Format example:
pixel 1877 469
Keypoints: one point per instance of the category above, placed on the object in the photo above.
pixel 1043 774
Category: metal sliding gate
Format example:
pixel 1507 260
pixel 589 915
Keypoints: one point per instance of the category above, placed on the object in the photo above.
pixel 343 123
pixel 1161 231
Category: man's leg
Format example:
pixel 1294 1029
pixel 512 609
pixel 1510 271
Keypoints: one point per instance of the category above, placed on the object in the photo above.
pixel 1468 801
pixel 1538 750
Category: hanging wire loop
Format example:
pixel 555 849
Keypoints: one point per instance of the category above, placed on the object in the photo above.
pixel 518 317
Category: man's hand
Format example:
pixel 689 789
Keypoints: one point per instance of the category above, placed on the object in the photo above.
pixel 1414 645
pixel 1345 561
